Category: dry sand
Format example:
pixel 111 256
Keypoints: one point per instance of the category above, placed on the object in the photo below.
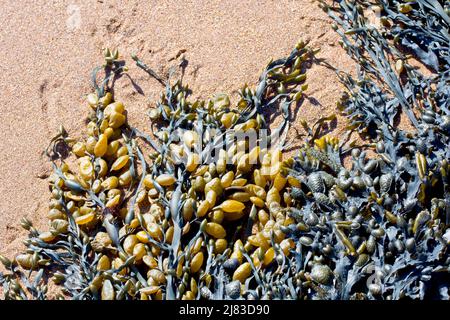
pixel 48 49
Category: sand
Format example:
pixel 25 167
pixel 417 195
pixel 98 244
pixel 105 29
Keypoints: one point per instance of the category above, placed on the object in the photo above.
pixel 48 49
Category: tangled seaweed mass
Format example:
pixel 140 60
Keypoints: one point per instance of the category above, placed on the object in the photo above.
pixel 161 217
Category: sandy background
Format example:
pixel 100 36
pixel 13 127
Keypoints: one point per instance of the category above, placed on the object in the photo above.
pixel 48 49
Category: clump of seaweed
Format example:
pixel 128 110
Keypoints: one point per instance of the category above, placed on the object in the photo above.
pixel 197 211
pixel 123 226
